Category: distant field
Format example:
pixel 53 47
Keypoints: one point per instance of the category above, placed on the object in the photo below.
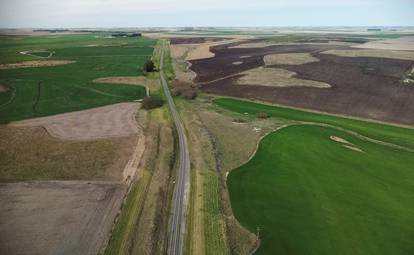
pixel 311 195
pixel 315 189
pixel 43 91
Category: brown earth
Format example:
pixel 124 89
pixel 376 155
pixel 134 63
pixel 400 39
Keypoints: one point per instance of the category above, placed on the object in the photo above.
pixel 102 122
pixel 376 53
pixel 289 59
pixel 276 77
pixel 192 40
pixel 28 64
pixel 47 218
pixel 30 153
pixel 197 51
pixel 404 43
pixel 364 87
pixel 3 88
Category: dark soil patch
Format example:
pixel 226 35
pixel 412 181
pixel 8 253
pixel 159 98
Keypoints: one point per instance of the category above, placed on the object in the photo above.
pixel 192 40
pixel 363 87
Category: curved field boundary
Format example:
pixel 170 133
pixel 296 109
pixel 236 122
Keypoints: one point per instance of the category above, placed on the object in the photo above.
pixel 28 52
pixel 357 135
pixel 13 95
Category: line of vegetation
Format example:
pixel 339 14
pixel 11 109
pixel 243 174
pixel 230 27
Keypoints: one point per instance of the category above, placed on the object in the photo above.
pixel 127 220
pixel 168 63
pixel 213 219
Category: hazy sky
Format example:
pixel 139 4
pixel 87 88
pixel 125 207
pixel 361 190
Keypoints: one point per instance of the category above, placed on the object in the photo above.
pixel 136 13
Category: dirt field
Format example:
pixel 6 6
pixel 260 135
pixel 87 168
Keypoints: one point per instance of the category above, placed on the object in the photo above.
pixel 103 122
pixel 289 59
pixel 405 43
pixel 28 64
pixel 195 40
pixel 48 218
pixel 276 77
pixel 196 51
pixel 366 87
pixel 404 55
pixel 30 153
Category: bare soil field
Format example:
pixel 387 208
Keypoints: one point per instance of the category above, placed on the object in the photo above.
pixel 289 59
pixel 276 77
pixel 367 87
pixel 376 53
pixel 194 40
pixel 405 43
pixel 41 63
pixel 103 122
pixel 196 51
pixel 50 218
pixel 30 153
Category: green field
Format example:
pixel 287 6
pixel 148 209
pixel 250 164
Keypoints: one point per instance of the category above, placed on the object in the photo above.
pixel 387 133
pixel 43 91
pixel 309 194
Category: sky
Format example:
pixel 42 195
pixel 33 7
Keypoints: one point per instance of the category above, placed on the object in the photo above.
pixel 177 13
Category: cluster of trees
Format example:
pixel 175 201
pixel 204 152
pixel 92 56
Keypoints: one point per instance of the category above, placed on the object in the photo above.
pixel 185 90
pixel 149 66
pixel 151 102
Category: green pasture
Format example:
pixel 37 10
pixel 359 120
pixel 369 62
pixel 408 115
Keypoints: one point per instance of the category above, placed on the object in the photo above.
pixel 308 194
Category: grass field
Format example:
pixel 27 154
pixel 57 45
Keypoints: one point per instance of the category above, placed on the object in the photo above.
pixel 309 194
pixel 387 133
pixel 45 91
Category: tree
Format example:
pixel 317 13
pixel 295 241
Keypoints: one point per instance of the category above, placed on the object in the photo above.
pixel 149 66
pixel 262 115
pixel 152 102
pixel 189 94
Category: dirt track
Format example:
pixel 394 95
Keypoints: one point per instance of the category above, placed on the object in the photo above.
pixel 103 122
pixel 43 63
pixel 365 87
pixel 57 218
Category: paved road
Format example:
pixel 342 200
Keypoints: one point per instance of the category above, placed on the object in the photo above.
pixel 182 180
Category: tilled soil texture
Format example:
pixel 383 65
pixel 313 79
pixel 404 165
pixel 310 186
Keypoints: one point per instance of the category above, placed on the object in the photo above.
pixel 51 218
pixel 102 122
pixel 191 40
pixel 361 86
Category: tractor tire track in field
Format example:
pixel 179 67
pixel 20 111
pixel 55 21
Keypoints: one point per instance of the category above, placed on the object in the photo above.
pixel 37 97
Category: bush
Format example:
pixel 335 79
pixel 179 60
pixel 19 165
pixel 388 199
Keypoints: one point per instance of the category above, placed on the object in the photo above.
pixel 149 66
pixel 152 102
pixel 239 120
pixel 189 94
pixel 177 91
pixel 262 115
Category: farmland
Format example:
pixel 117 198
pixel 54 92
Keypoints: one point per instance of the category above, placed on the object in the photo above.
pixel 337 196
pixel 42 91
pixel 320 83
pixel 71 140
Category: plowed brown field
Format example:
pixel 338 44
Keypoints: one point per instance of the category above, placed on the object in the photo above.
pixel 368 87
